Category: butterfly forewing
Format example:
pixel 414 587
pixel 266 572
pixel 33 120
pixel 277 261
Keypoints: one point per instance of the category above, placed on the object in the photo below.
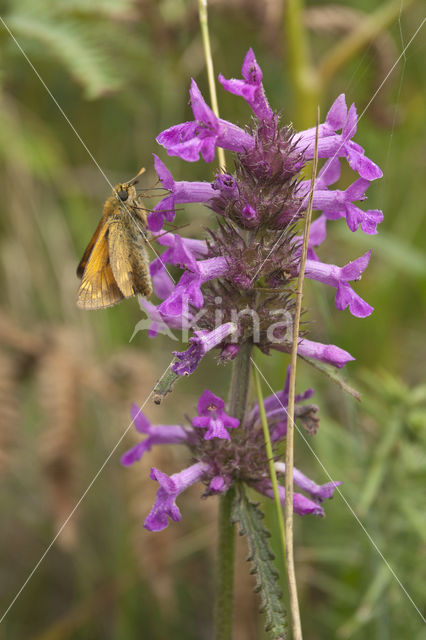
pixel 98 287
pixel 89 248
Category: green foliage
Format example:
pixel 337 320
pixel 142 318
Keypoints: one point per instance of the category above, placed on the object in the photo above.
pixel 250 519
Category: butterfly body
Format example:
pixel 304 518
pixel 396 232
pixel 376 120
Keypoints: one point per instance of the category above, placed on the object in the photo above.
pixel 115 264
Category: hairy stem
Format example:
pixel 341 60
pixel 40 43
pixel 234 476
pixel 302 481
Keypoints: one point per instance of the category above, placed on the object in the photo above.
pixel 204 24
pixel 237 403
pixel 225 567
pixel 240 380
pixel 289 452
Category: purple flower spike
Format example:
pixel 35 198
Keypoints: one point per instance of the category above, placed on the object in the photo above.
pixel 202 342
pixel 318 492
pixel 170 487
pixel 251 88
pixel 213 417
pixel 159 434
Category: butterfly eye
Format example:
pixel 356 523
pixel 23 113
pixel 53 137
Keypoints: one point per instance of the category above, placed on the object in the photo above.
pixel 123 195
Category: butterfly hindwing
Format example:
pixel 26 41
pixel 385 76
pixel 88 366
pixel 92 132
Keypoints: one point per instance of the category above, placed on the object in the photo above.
pixel 129 259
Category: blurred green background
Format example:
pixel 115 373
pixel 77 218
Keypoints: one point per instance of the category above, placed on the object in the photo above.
pixel 120 70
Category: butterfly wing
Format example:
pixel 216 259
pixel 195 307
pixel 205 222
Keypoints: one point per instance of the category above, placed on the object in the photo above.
pixel 98 288
pixel 82 264
pixel 129 261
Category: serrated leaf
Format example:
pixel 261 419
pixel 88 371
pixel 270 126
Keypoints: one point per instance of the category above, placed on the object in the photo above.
pixel 250 519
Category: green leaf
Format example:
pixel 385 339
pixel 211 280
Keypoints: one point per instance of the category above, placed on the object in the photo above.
pixel 250 519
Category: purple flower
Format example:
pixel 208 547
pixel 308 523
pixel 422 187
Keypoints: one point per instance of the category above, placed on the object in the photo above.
pixel 318 492
pixel 161 279
pixel 331 144
pixel 338 277
pixel 180 193
pixel 250 88
pixel 188 289
pixel 317 235
pixel 339 204
pixel 170 487
pixel 328 353
pixel 203 341
pixel 161 323
pixel 159 434
pixel 212 416
pixel 202 135
pixel 301 505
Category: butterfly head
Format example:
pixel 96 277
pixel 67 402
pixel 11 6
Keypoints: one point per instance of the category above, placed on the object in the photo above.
pixel 125 192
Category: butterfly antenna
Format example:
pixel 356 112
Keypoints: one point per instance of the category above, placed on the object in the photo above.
pixel 134 180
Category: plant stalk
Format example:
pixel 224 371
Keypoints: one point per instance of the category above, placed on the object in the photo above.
pixel 289 452
pixel 270 456
pixel 225 568
pixel 204 24
pixel 237 403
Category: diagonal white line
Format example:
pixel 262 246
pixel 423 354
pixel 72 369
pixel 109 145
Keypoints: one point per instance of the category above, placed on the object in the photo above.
pixel 78 503
pixel 92 157
pixel 338 490
pixel 358 119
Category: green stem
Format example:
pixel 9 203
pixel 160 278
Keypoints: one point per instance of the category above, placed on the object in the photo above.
pixel 237 403
pixel 304 79
pixel 240 380
pixel 270 456
pixel 204 24
pixel 289 449
pixel 225 567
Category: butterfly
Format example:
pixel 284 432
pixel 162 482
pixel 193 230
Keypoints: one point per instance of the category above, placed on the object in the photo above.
pixel 115 264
